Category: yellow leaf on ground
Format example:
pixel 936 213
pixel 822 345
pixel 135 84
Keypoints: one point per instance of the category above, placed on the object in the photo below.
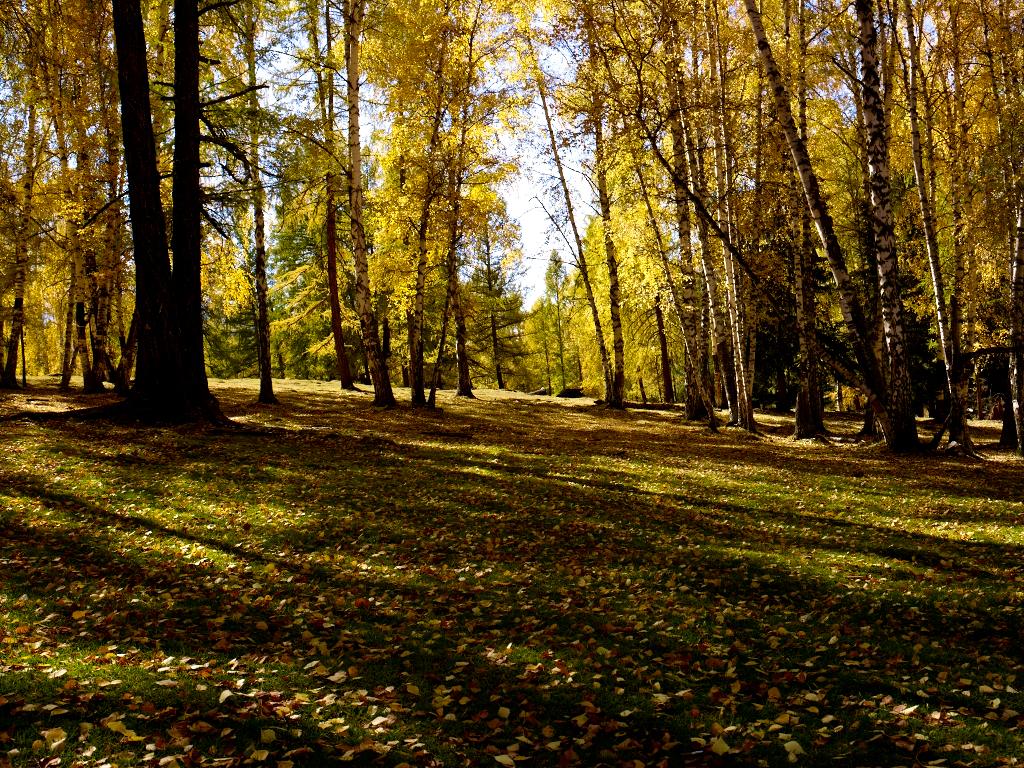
pixel 719 747
pixel 55 738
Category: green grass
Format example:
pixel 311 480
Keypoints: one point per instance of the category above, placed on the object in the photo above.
pixel 513 578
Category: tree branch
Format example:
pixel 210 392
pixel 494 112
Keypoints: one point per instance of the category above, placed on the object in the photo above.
pixel 217 6
pixel 230 96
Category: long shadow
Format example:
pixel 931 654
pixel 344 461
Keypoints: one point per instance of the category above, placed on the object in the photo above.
pixel 736 601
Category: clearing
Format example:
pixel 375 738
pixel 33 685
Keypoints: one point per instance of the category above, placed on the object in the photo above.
pixel 514 580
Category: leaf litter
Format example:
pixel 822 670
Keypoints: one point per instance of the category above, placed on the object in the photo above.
pixel 568 587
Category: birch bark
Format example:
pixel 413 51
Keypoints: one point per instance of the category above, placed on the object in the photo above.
pixel 355 11
pixel 874 384
pixel 901 432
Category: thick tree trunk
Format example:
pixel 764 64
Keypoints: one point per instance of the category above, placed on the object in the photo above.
pixel 1008 431
pixel 9 377
pixel 159 385
pixel 901 429
pixel 186 237
pixel 383 395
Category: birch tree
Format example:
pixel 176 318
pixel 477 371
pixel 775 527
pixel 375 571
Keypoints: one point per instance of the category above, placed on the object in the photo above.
pixel 355 14
pixel 893 412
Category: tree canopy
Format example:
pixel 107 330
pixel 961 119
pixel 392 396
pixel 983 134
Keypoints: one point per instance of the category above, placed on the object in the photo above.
pixel 752 204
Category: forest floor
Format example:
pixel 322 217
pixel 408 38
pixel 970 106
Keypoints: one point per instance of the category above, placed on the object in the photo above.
pixel 513 580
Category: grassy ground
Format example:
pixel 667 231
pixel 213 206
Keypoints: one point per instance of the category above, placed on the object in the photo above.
pixel 516 580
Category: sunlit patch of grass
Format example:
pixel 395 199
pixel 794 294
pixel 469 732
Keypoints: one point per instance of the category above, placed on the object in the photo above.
pixel 405 586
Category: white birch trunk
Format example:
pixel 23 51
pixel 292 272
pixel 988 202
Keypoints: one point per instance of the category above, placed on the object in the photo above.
pixel 383 395
pixel 853 316
pixel 903 426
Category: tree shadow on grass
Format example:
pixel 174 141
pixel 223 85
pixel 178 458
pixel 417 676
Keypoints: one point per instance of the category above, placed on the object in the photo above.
pixel 544 590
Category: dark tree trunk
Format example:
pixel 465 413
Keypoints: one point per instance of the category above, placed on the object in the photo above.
pixel 342 368
pixel 24 367
pixel 669 392
pixel 90 381
pixel 159 390
pixel 417 379
pixel 869 428
pixel 186 236
pixel 1008 434
pixel 461 337
pixel 123 373
pixel 616 396
pixel 262 301
pixel 498 375
pixel 810 418
pixel 9 376
pixel 70 350
pixel 259 266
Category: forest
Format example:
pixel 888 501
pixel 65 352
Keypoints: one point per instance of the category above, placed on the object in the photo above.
pixel 744 206
pixel 403 383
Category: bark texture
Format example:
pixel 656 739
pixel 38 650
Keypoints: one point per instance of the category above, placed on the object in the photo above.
pixel 383 395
